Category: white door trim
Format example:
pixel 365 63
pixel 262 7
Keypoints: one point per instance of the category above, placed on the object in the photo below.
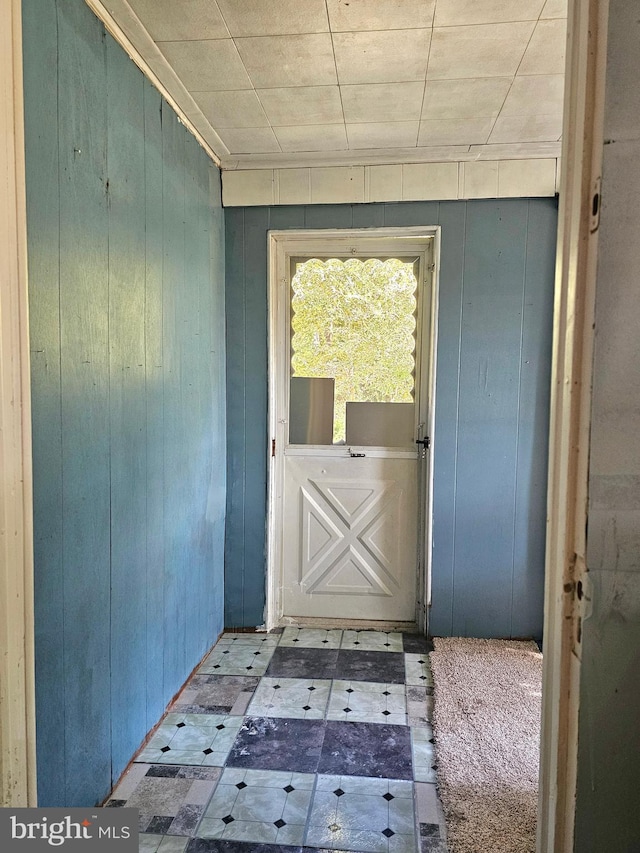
pixel 334 239
pixel 17 694
pixel 570 420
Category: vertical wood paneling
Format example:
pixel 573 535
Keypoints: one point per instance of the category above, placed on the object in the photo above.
pixel 496 286
pixel 127 295
pixel 256 222
pixel 236 417
pixel 488 417
pixel 452 219
pixel 154 396
pixel 84 330
pixel 175 510
pixel 533 427
pixel 125 161
pixel 40 45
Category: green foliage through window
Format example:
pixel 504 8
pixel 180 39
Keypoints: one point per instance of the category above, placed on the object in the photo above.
pixel 354 320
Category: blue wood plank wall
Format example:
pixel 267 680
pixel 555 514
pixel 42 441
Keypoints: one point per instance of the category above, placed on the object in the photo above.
pixel 126 279
pixel 492 405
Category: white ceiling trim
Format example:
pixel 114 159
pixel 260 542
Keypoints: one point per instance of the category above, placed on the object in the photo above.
pixel 393 156
pixel 126 28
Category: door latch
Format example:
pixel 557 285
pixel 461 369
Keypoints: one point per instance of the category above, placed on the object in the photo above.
pixel 425 442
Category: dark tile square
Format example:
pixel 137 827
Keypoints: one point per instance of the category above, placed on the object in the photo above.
pixel 215 694
pixel 159 825
pixel 185 822
pixel 218 845
pixel 415 644
pixel 272 743
pixel 303 663
pixel 366 749
pixel 429 830
pixel 210 774
pixel 387 667
pixel 115 804
pixel 163 771
pixel 432 845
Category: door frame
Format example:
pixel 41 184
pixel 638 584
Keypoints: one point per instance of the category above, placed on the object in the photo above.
pixel 17 695
pixel 297 242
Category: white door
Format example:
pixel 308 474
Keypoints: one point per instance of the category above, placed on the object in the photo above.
pixel 350 372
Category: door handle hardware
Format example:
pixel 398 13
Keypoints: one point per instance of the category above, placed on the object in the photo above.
pixel 356 455
pixel 425 442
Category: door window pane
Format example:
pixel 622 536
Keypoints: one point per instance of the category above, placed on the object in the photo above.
pixel 353 342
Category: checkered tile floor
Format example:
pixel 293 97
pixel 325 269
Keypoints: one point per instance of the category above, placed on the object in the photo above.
pixel 294 742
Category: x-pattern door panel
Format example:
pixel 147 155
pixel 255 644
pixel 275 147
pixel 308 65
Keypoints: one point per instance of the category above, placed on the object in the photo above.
pixel 350 537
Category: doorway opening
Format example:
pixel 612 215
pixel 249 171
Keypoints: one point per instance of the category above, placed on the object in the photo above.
pixel 351 375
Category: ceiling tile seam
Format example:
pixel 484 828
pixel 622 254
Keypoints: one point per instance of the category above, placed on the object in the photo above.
pixel 526 47
pixel 335 65
pixel 426 75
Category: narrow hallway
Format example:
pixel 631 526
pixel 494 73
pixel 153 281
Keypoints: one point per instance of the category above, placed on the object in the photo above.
pixel 301 740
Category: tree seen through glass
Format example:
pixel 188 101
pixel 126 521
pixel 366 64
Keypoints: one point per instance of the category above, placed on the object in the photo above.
pixel 354 321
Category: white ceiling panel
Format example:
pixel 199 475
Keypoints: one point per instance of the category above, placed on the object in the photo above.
pixel 294 60
pixel 302 105
pixel 546 51
pixel 379 14
pixel 535 95
pixel 206 66
pixel 325 137
pixel 454 13
pixel 542 128
pixel 394 56
pixel 358 82
pixel 273 17
pixel 232 109
pixel 382 102
pixel 166 20
pixel 455 131
pixel 251 140
pixel 455 99
pixel 398 134
pixel 491 50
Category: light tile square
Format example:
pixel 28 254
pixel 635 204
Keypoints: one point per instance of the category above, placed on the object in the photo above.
pixel 540 94
pixel 423 754
pixel 250 140
pixel 258 806
pixel 305 699
pixel 367 702
pixel 519 128
pixel 311 638
pixel 244 657
pixel 391 56
pixel 372 641
pixel 490 50
pixel 199 739
pixel 289 60
pixel 418 670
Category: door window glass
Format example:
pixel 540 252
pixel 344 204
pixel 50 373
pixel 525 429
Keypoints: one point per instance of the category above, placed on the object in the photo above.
pixel 353 344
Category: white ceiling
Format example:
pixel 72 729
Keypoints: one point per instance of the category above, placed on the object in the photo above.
pixel 281 82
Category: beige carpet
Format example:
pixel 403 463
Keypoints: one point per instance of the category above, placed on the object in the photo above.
pixel 487 726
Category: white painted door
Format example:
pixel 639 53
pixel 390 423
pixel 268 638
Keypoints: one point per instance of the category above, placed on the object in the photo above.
pixel 350 368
